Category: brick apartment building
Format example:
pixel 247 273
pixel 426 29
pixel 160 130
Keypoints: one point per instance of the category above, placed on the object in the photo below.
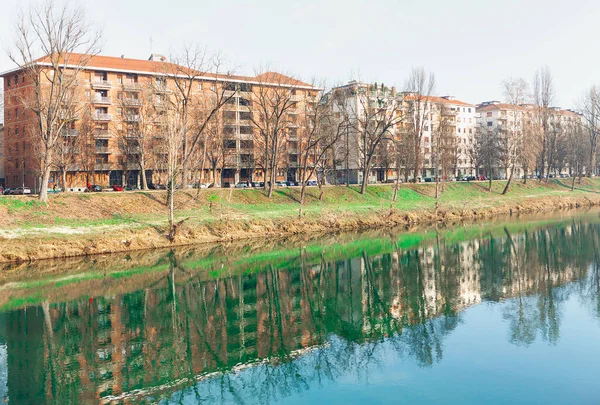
pixel 118 95
pixel 2 176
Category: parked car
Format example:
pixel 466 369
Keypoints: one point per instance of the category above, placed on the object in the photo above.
pixel 291 183
pixel 242 184
pixel 7 191
pixel 428 179
pixel 117 188
pixel 21 191
pixel 256 184
pixel 312 183
pixel 280 184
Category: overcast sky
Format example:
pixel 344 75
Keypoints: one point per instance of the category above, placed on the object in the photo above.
pixel 471 46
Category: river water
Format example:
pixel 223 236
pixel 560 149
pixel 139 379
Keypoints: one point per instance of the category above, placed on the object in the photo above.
pixel 502 312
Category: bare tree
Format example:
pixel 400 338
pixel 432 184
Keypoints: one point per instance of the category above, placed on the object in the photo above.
pixel 321 131
pixel 199 92
pixel 590 109
pixel 56 33
pixel 543 97
pixel 136 129
pixel 515 94
pixel 444 145
pixel 578 148
pixel 373 120
pixel 420 86
pixel 67 149
pixel 487 149
pixel 274 99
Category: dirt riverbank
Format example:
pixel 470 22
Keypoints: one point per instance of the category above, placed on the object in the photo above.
pixel 75 225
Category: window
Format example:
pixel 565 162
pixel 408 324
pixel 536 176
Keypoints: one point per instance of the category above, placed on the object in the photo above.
pixel 426 128
pixel 489 114
pixel 16 113
pixel 16 79
pixel 8 116
pixel 489 123
pixel 120 79
pixel 8 82
pixel 469 110
pixel 16 131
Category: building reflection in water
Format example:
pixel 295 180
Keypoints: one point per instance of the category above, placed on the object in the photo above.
pixel 329 311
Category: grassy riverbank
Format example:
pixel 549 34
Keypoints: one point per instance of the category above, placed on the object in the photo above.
pixel 80 224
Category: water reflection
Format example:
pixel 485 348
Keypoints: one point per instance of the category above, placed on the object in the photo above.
pixel 260 326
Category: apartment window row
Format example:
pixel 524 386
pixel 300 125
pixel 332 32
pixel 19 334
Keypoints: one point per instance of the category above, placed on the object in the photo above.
pixel 16 80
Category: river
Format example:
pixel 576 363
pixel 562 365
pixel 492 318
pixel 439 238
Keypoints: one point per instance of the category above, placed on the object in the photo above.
pixel 501 312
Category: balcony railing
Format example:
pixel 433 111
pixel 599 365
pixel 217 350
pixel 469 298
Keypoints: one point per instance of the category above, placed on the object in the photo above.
pixel 102 117
pixel 101 100
pixel 295 97
pixel 161 88
pixel 102 166
pixel 102 150
pixel 132 101
pixel 101 133
pixel 101 83
pixel 132 86
pixel 69 132
pixel 131 118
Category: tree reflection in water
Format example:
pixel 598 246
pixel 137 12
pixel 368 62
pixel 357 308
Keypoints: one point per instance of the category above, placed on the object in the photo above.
pixel 284 326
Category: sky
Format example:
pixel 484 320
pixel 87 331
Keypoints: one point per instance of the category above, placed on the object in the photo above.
pixel 470 46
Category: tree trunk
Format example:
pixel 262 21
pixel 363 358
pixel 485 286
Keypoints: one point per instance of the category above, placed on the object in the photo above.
pixel 64 179
pixel 144 179
pixel 271 182
pixel 573 183
pixel 45 177
pixel 512 170
pixel 365 180
pixel 171 198
pixel 397 185
pixel 302 192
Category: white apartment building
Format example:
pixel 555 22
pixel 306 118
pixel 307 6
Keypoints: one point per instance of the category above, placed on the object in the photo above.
pixel 519 119
pixel 460 116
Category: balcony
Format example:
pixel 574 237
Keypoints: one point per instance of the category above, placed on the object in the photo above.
pixel 161 88
pixel 69 132
pixel 102 150
pixel 132 102
pixel 102 117
pixel 101 100
pixel 296 98
pixel 161 105
pixel 131 86
pixel 101 134
pixel 293 111
pixel 102 167
pixel 131 117
pixel 101 84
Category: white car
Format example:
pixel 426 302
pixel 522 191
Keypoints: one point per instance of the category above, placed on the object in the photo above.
pixel 21 191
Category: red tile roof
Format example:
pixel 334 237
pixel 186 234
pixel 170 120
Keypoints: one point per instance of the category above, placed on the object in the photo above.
pixel 112 63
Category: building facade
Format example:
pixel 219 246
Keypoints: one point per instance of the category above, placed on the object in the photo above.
pixel 439 117
pixel 2 176
pixel 519 132
pixel 116 135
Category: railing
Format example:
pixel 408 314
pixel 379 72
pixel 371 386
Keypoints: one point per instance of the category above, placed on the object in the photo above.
pixel 101 83
pixel 69 132
pixel 102 166
pixel 101 100
pixel 132 86
pixel 102 149
pixel 100 133
pixel 132 101
pixel 102 117
pixel 296 98
pixel 161 88
pixel 131 118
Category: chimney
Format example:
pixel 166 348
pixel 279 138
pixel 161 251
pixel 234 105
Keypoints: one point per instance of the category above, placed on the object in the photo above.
pixel 155 57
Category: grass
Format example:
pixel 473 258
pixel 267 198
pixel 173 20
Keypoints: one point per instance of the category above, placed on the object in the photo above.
pixel 138 209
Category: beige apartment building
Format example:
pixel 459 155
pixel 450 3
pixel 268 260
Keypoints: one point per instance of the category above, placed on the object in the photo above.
pixel 459 118
pixel 122 98
pixel 521 121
